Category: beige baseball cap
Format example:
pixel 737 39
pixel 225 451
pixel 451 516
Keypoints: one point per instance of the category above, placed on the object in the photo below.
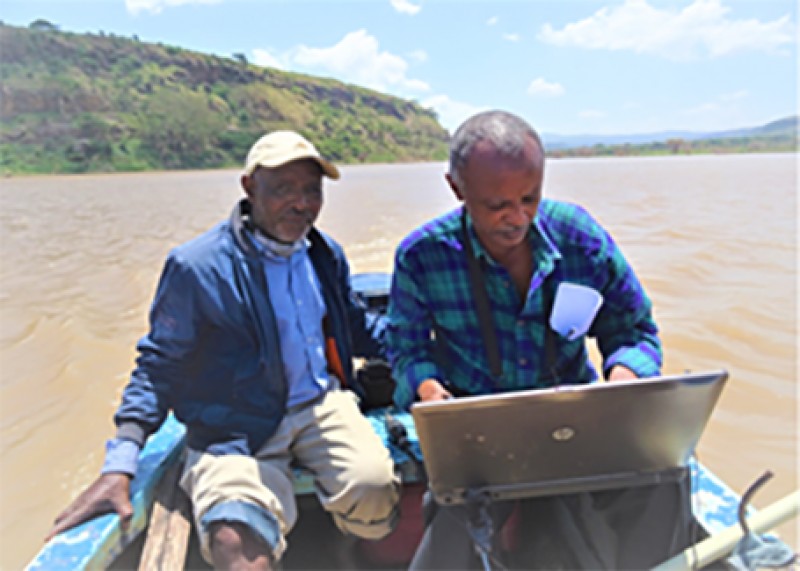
pixel 281 147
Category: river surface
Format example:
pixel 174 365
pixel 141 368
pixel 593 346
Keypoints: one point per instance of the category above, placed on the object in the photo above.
pixel 713 238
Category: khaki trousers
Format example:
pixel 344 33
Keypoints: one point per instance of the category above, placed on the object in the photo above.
pixel 352 469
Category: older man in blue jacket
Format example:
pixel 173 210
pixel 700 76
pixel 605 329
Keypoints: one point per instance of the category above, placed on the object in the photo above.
pixel 239 328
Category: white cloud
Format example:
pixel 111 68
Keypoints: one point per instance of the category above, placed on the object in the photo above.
pixel 451 113
pixel 592 114
pixel 418 55
pixel 704 108
pixel 355 59
pixel 719 113
pixel 405 7
pixel 155 6
pixel 266 59
pixel 541 86
pixel 724 104
pixel 735 96
pixel 702 28
pixel 492 21
pixel 511 37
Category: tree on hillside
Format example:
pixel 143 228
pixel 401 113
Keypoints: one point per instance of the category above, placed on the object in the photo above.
pixel 43 25
pixel 180 129
pixel 676 145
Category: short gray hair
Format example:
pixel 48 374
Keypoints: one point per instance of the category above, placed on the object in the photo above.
pixel 506 132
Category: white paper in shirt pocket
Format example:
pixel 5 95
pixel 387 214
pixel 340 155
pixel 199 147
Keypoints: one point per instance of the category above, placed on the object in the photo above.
pixel 574 309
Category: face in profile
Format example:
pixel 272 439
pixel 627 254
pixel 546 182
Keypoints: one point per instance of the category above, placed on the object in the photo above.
pixel 501 195
pixel 285 200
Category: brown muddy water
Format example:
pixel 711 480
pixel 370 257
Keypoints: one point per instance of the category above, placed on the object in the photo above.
pixel 714 239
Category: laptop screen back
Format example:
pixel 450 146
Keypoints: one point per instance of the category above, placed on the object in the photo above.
pixel 565 439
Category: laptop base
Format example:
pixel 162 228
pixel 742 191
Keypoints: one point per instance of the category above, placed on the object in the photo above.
pixel 562 487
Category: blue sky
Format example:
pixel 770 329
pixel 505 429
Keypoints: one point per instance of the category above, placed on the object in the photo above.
pixel 568 66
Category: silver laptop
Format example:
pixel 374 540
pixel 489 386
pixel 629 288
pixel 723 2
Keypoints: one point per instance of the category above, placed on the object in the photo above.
pixel 565 439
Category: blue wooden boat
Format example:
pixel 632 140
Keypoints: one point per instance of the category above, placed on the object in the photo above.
pixel 103 544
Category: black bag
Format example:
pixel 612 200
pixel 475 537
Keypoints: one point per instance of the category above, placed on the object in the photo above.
pixel 375 379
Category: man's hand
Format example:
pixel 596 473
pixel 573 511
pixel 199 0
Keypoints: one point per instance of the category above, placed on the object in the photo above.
pixel 621 373
pixel 431 389
pixel 108 493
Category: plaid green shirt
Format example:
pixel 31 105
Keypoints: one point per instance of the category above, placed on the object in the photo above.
pixel 433 329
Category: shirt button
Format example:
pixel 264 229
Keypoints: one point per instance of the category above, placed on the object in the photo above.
pixel 520 323
pixel 523 362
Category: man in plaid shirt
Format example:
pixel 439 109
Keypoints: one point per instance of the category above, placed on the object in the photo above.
pixel 526 249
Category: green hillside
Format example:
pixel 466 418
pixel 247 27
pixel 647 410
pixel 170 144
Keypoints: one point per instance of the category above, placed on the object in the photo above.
pixel 97 103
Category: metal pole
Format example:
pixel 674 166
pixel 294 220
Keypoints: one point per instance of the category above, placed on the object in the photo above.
pixel 721 544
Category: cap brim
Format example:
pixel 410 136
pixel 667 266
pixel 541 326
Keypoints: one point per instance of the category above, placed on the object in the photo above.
pixel 329 169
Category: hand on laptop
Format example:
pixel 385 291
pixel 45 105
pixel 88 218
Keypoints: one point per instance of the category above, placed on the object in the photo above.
pixel 621 373
pixel 431 389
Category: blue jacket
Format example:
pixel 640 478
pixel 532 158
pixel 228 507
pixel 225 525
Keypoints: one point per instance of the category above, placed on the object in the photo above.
pixel 212 354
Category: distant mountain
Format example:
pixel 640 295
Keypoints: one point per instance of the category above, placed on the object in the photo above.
pixel 100 102
pixel 786 127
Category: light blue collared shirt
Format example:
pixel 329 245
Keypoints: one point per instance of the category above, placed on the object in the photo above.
pixel 295 294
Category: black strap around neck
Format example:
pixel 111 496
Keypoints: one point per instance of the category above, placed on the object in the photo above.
pixel 482 306
pixel 486 322
pixel 550 352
